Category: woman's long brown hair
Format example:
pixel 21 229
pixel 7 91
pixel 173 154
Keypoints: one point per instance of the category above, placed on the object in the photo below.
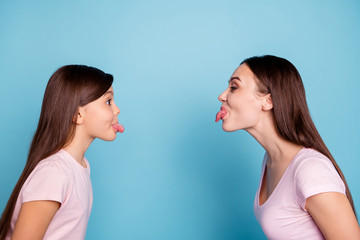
pixel 69 87
pixel 281 79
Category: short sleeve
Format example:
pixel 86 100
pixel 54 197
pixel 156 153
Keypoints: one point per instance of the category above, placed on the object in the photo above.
pixel 314 176
pixel 48 181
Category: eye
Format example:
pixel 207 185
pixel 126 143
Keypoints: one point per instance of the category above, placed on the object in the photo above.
pixel 108 102
pixel 233 88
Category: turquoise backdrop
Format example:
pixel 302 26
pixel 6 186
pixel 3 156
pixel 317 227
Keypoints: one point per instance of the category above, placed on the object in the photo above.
pixel 174 174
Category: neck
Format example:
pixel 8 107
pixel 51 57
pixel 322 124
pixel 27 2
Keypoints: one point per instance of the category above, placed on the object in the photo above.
pixel 77 147
pixel 279 150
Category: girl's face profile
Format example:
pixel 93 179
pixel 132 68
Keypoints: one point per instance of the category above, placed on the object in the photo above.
pixel 242 102
pixel 99 116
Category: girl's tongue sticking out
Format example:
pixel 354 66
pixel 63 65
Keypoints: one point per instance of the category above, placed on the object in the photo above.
pixel 118 127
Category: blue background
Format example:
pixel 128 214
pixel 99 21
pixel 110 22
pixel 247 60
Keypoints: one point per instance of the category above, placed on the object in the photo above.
pixel 174 174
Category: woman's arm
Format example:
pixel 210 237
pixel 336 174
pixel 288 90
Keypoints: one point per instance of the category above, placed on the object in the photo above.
pixel 333 215
pixel 34 219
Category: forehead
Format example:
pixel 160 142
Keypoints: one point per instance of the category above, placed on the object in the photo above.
pixel 243 71
pixel 110 91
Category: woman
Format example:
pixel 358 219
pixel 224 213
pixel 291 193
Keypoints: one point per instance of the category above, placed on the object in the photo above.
pixel 302 193
pixel 53 196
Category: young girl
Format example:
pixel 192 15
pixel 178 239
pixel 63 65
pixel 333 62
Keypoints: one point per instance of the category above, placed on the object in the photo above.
pixel 53 196
pixel 302 193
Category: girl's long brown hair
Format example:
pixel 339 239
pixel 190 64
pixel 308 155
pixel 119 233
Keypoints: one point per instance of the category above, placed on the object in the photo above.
pixel 69 87
pixel 281 79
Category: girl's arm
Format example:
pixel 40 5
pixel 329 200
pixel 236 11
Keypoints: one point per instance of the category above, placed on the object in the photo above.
pixel 34 219
pixel 333 215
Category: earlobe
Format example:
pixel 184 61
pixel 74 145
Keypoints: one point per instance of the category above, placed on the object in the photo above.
pixel 268 104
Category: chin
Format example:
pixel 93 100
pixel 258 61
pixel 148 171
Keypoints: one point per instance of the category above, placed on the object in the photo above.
pixel 113 138
pixel 108 138
pixel 231 126
pixel 228 128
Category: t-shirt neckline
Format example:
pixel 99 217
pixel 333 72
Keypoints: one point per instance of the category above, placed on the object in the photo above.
pixel 278 185
pixel 74 162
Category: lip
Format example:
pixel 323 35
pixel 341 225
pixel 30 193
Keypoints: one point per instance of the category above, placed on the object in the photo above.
pixel 226 112
pixel 113 126
pixel 221 114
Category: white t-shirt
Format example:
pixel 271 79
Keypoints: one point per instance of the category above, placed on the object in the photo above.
pixel 283 214
pixel 62 179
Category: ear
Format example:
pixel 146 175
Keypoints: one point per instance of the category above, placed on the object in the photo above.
pixel 79 116
pixel 267 104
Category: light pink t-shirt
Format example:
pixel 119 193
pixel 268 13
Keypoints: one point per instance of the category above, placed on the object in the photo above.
pixel 60 178
pixel 283 214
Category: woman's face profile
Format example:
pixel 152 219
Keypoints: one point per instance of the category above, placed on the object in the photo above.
pixel 241 102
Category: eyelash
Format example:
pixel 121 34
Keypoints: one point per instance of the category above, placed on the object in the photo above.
pixel 232 88
pixel 108 102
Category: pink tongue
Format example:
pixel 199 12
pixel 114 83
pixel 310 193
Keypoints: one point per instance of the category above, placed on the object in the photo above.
pixel 220 114
pixel 119 127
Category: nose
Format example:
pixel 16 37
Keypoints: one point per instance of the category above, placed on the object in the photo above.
pixel 222 97
pixel 116 110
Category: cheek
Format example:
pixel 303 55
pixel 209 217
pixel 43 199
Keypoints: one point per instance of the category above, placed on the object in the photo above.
pixel 244 107
pixel 102 116
pixel 108 116
pixel 239 102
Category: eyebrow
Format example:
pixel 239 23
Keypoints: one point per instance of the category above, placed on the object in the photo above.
pixel 109 92
pixel 234 78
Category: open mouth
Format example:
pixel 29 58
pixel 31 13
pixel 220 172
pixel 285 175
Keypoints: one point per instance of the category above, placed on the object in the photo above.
pixel 221 114
pixel 118 127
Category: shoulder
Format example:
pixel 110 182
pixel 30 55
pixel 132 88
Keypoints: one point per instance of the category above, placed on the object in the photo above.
pixel 312 162
pixel 56 162
pixel 48 181
pixel 314 173
pixel 309 153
